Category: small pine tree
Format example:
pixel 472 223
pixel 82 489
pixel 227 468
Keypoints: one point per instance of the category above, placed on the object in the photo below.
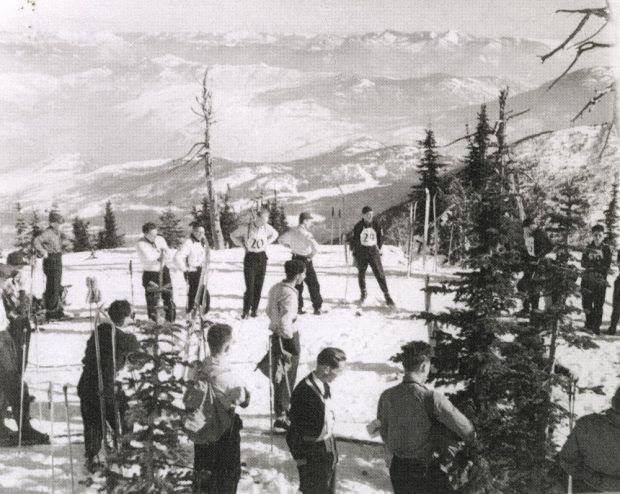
pixel 23 240
pixel 81 238
pixel 150 455
pixel 109 237
pixel 228 218
pixel 478 165
pixel 611 217
pixel 169 227
pixel 429 167
pixel 277 215
pixel 202 215
pixel 35 225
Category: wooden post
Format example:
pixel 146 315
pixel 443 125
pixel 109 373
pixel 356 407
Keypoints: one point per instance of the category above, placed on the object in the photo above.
pixel 426 217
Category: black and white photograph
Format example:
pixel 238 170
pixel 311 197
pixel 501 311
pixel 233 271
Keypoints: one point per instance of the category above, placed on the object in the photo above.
pixel 309 246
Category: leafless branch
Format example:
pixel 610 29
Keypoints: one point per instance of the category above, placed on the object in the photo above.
pixel 515 115
pixel 584 47
pixel 599 94
pixel 527 138
pixel 569 38
pixel 592 36
pixel 611 126
pixel 462 138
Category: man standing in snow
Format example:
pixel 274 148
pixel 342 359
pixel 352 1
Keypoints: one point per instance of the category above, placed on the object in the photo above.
pixel 153 253
pixel 405 417
pixel 217 465
pixel 254 238
pixel 310 437
pixel 190 259
pixel 536 245
pixel 591 453
pixel 11 364
pixel 615 315
pixel 284 341
pixel 366 246
pixel 304 247
pixel 596 261
pixel 49 246
pixel 120 313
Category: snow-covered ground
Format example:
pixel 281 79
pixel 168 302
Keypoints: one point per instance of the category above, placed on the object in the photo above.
pixel 368 340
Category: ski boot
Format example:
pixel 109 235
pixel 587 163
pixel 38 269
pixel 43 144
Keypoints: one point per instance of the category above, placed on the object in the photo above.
pixel 31 436
pixel 282 422
pixel 388 301
pixel 253 314
pixel 245 315
pixel 363 296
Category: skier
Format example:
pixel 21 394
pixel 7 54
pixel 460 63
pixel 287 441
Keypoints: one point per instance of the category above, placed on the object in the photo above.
pixel 254 238
pixel 16 304
pixel 615 315
pixel 366 246
pixel 153 252
pixel 11 381
pixel 591 453
pixel 304 247
pixel 190 259
pixel 49 246
pixel 284 342
pixel 405 417
pixel 121 316
pixel 535 246
pixel 217 465
pixel 596 260
pixel 310 437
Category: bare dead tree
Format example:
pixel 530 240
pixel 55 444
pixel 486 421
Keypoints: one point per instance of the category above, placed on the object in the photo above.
pixel 590 43
pixel 200 152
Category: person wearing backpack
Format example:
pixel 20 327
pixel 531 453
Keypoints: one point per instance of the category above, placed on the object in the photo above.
pixel 407 415
pixel 213 425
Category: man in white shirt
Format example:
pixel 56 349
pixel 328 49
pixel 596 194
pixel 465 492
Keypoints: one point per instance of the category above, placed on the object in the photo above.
pixel 190 259
pixel 153 253
pixel 254 238
pixel 304 247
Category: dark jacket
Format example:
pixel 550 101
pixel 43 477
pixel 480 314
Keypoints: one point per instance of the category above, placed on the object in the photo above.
pixel 542 245
pixel 596 265
pixel 592 451
pixel 356 241
pixel 307 415
pixel 126 343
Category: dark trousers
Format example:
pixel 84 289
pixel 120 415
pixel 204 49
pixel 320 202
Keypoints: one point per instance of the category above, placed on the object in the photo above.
pixel 254 268
pixel 313 285
pixel 152 294
pixel 52 267
pixel 20 329
pixel 370 258
pixel 615 315
pixel 593 299
pixel 283 387
pixel 91 416
pixel 10 395
pixel 528 285
pixel 193 280
pixel 217 466
pixel 413 477
pixel 317 470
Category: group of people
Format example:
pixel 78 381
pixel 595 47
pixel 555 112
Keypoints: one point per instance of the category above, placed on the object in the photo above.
pixel 595 261
pixel 192 259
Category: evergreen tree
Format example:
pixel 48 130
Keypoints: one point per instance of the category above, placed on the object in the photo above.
pixel 35 225
pixel 611 217
pixel 277 215
pixel 81 238
pixel 109 237
pixel 429 168
pixel 478 165
pixel 169 227
pixel 202 214
pixel 150 454
pixel 228 218
pixel 23 239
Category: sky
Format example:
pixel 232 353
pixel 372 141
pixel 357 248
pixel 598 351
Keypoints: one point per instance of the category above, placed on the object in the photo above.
pixel 522 18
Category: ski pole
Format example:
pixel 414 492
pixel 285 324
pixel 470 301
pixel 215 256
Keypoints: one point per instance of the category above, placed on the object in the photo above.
pixel 346 280
pixel 331 242
pixel 36 327
pixel 21 397
pixel 50 404
pixel 117 415
pixel 100 385
pixel 131 279
pixel 65 392
pixel 426 218
pixel 435 232
pixel 271 393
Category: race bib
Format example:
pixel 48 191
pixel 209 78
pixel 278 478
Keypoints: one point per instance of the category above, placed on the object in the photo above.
pixel 257 240
pixel 368 237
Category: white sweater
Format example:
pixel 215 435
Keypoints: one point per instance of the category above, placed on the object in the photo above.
pixel 149 253
pixel 191 255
